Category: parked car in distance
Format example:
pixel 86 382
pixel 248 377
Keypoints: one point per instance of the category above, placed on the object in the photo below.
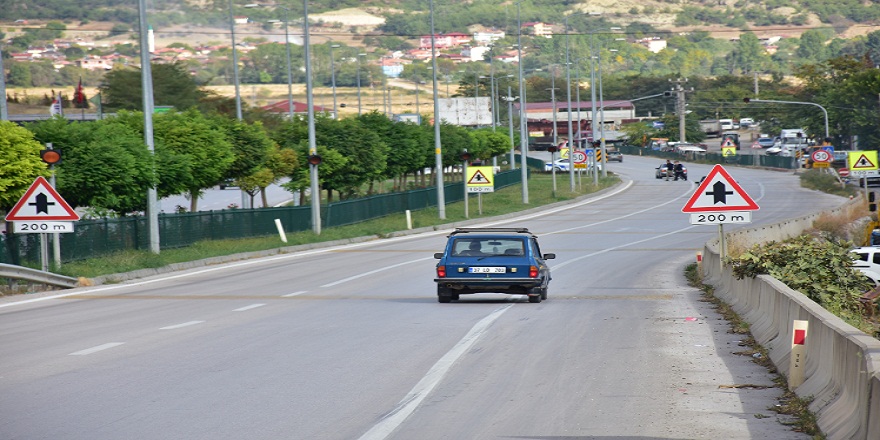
pixel 766 142
pixel 746 122
pixel 614 156
pixel 496 260
pixel 868 262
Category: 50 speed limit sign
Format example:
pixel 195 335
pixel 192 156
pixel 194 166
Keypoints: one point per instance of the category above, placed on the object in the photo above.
pixel 821 156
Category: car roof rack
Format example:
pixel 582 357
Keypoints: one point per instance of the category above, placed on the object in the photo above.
pixel 492 230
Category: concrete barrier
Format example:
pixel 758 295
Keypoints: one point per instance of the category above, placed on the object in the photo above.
pixel 842 367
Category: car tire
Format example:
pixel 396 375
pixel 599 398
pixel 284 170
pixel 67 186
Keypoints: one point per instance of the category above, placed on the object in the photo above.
pixel 534 298
pixel 445 295
pixel 544 293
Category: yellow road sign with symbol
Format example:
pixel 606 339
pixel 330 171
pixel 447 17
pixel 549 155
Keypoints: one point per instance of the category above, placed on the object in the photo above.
pixel 480 180
pixel 862 160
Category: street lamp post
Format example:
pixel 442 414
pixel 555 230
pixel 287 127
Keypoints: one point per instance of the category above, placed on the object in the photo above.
pixel 568 88
pixel 523 141
pixel 359 80
pixel 313 149
pixel 147 84
pixel 287 53
pixel 438 153
pixel 593 60
pixel 509 98
pixel 333 79
pixel 234 64
pixel 825 112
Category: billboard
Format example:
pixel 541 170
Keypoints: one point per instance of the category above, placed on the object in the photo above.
pixel 466 111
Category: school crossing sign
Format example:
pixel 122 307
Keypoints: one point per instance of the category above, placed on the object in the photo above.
pixel 862 163
pixel 480 180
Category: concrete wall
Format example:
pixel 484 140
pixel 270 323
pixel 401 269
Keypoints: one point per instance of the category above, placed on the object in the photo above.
pixel 842 368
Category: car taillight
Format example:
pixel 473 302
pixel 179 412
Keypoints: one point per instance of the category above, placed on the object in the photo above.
pixel 441 271
pixel 533 272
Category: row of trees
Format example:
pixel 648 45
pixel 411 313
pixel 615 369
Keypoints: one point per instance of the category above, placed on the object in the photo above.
pixel 107 167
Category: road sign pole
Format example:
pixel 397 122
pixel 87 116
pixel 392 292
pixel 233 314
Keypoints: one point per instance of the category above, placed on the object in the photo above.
pixel 44 252
pixel 56 237
pixel 464 181
pixel 723 244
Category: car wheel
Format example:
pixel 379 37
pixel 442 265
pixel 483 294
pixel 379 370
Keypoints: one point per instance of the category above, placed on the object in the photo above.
pixel 544 292
pixel 445 295
pixel 534 298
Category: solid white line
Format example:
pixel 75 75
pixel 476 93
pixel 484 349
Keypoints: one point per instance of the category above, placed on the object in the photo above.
pixel 96 349
pixel 252 306
pixel 185 324
pixel 294 294
pixel 344 280
pixel 412 400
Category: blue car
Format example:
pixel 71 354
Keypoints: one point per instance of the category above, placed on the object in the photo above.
pixel 499 260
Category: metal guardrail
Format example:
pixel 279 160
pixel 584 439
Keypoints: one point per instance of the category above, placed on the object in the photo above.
pixel 37 276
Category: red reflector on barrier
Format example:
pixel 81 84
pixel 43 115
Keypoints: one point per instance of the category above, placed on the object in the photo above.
pixel 800 337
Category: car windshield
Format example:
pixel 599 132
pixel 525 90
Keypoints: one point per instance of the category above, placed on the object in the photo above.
pixel 482 247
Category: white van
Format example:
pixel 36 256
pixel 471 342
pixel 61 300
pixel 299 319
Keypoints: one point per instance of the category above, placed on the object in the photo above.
pixel 868 262
pixel 726 124
pixel 792 133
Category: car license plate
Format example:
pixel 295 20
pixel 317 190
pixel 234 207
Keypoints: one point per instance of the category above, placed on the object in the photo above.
pixel 487 270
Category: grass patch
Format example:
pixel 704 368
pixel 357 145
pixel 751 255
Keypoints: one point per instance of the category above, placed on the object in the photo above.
pixel 504 201
pixel 790 404
pixel 821 181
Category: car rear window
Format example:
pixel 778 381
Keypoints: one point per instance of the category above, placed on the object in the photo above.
pixel 463 247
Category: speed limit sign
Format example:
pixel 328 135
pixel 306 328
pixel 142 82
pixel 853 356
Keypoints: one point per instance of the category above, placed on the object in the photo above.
pixel 821 156
pixel 579 157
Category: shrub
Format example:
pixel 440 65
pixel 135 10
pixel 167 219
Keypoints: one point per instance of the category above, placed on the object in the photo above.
pixel 819 268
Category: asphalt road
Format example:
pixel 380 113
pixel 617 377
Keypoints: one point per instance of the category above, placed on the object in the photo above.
pixel 350 342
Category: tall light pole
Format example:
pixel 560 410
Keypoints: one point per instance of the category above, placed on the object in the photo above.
pixel 333 80
pixel 523 141
pixel 602 105
pixel 509 98
pixel 4 110
pixel 147 84
pixel 825 112
pixel 234 64
pixel 571 133
pixel 359 80
pixel 438 156
pixel 313 149
pixel 287 53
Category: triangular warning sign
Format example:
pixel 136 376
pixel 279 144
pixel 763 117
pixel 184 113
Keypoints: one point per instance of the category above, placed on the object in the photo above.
pixel 863 163
pixel 719 192
pixel 479 179
pixel 728 143
pixel 41 203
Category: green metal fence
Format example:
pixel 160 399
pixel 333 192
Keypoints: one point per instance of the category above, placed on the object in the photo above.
pixel 94 238
pixel 717 158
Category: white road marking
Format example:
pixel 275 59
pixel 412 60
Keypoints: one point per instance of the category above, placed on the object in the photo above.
pixel 185 324
pixel 294 294
pixel 408 405
pixel 252 306
pixel 345 280
pixel 96 349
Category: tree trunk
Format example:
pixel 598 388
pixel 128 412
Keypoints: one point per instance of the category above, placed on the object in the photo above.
pixel 263 196
pixel 193 202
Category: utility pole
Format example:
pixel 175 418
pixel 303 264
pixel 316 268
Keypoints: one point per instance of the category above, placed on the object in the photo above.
pixel 681 105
